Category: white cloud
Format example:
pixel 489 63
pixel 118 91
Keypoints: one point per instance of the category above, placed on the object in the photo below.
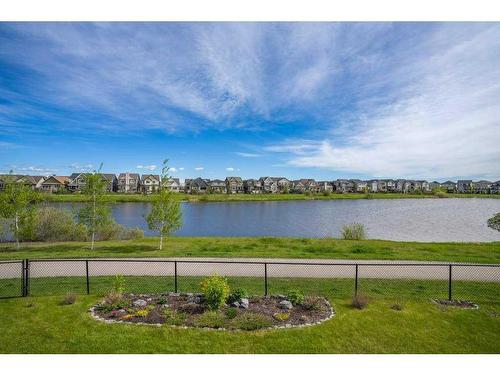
pixel 80 167
pixel 148 167
pixel 199 168
pixel 36 169
pixel 230 169
pixel 247 155
pixel 173 169
pixel 181 168
pixel 445 122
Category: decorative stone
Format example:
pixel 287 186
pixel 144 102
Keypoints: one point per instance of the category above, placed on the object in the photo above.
pixel 235 304
pixel 122 311
pixel 281 296
pixel 244 303
pixel 165 306
pixel 287 305
pixel 139 303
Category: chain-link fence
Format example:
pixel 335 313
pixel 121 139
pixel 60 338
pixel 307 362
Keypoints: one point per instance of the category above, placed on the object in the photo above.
pixel 405 281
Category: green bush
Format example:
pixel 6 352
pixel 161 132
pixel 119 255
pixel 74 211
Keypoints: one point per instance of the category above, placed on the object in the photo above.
pixel 216 291
pixel 312 304
pixel 251 321
pixel 494 222
pixel 51 224
pixel 231 312
pixel 119 284
pixel 69 299
pixel 132 234
pixel 210 319
pixel 354 231
pixel 295 296
pixel 282 316
pixel 237 295
pixel 174 318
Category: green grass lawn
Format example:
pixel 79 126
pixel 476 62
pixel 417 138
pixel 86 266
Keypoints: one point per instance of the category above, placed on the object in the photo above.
pixel 116 197
pixel 488 252
pixel 43 325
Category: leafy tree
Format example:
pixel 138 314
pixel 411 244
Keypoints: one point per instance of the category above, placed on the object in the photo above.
pixel 166 215
pixel 95 212
pixel 17 205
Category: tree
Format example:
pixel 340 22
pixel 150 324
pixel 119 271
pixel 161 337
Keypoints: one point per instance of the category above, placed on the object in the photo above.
pixel 17 204
pixel 95 212
pixel 166 215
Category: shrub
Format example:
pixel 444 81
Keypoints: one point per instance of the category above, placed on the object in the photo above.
pixel 114 301
pixel 282 316
pixel 295 296
pixel 312 304
pixel 174 318
pixel 237 295
pixel 142 313
pixel 251 321
pixel 216 290
pixel 119 284
pixel 354 231
pixel 397 307
pixel 231 312
pixel 359 301
pixel 70 299
pixel 210 319
pixel 494 222
pixel 327 193
pixel 440 194
pixel 132 234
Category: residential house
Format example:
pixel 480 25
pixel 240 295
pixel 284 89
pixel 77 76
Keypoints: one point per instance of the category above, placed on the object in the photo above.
pixel 423 185
pixel 310 185
pixel 269 184
pixel 55 184
pixel 298 186
pixel 252 186
pixel 76 182
pixel 482 187
pixel 217 186
pixel 150 183
pixel 495 188
pixel 434 185
pixel 359 185
pixel 344 186
pixel 129 182
pixel 34 182
pixel 464 186
pixel 234 185
pixel 172 184
pixel 325 186
pixel 400 186
pixel 197 185
pixel 449 186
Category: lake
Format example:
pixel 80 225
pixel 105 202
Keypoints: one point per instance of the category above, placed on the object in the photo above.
pixel 437 220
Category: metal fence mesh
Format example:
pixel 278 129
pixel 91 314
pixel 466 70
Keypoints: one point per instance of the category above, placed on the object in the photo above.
pixel 11 279
pixel 395 281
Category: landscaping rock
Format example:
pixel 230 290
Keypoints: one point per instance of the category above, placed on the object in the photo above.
pixel 235 304
pixel 287 305
pixel 244 303
pixel 165 306
pixel 122 311
pixel 139 303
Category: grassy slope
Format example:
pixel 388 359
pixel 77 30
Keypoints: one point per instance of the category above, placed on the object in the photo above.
pixel 43 325
pixel 263 247
pixel 257 197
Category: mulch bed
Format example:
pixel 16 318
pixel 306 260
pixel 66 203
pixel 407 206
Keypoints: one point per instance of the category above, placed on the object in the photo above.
pixel 189 310
pixel 457 303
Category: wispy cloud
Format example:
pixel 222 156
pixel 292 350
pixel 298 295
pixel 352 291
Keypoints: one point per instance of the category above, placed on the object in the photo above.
pixel 199 168
pixel 248 155
pixel 230 169
pixel 147 167
pixel 33 168
pixel 78 167
pixel 173 169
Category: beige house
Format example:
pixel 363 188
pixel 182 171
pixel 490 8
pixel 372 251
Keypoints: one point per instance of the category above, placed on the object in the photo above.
pixel 128 182
pixel 150 183
pixel 53 184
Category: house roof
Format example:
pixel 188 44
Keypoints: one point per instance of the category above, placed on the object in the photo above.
pixel 59 179
pixel 154 176
pixel 132 175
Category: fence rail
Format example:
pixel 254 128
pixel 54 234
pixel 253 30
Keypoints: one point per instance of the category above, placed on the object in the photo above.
pixel 479 282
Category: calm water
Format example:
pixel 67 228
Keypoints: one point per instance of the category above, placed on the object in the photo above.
pixel 394 219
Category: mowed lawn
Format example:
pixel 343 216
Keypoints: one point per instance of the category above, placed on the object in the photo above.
pixel 44 325
pixel 265 247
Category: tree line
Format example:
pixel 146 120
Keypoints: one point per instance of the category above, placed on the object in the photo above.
pixel 26 219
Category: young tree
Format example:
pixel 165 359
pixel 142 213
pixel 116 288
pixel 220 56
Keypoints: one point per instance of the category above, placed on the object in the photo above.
pixel 166 215
pixel 95 212
pixel 17 205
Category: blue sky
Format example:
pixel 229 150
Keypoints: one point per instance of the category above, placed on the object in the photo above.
pixel 319 100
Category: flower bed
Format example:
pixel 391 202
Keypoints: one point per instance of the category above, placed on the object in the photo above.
pixel 457 303
pixel 192 310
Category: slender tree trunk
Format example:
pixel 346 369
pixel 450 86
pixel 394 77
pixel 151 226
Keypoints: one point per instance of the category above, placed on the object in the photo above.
pixel 161 241
pixel 93 219
pixel 17 230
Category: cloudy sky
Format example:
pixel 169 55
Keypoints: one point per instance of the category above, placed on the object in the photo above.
pixel 320 100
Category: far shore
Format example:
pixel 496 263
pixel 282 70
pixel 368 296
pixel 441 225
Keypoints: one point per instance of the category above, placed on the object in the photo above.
pixel 117 197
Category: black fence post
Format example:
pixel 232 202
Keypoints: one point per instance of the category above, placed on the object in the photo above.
pixel 356 282
pixel 87 274
pixel 449 282
pixel 175 276
pixel 23 279
pixel 265 279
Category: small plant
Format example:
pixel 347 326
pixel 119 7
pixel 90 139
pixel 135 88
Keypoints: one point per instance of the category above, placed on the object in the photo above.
pixel 231 312
pixel 327 193
pixel 216 291
pixel 397 307
pixel 142 313
pixel 70 299
pixel 359 301
pixel 251 321
pixel 113 301
pixel 162 301
pixel 282 316
pixel 295 296
pixel 312 304
pixel 237 295
pixel 210 319
pixel 174 318
pixel 119 284
pixel 354 231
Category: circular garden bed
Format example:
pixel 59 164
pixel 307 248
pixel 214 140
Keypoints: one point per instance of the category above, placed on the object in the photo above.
pixel 192 310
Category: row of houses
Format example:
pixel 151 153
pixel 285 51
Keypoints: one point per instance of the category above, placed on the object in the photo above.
pixel 149 183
